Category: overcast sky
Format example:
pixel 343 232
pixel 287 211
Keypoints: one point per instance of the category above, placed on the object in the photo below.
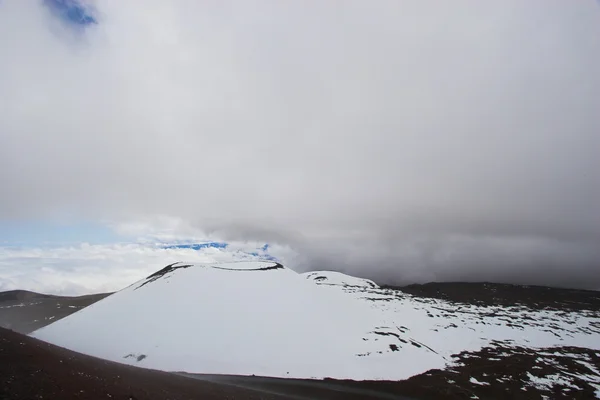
pixel 405 141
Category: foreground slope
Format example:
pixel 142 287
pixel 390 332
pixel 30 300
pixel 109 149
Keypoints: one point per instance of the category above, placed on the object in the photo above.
pixel 31 369
pixel 262 318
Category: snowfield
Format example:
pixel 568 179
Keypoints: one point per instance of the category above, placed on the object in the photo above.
pixel 264 319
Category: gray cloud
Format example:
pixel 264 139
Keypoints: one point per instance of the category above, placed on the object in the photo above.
pixel 412 141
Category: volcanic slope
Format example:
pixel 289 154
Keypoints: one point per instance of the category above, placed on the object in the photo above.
pixel 264 319
pixel 23 311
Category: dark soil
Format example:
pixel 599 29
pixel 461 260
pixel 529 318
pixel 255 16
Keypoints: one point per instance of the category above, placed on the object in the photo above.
pixel 495 294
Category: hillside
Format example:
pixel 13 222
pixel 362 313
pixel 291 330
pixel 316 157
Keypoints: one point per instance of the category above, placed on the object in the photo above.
pixel 506 295
pixel 23 311
pixel 264 319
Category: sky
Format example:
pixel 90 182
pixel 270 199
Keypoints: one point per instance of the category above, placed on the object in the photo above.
pixel 402 141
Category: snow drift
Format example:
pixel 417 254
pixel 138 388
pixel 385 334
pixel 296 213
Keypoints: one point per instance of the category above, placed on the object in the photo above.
pixel 262 318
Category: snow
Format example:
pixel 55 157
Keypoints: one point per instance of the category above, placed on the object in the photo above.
pixel 476 382
pixel 597 394
pixel 549 381
pixel 14 305
pixel 262 318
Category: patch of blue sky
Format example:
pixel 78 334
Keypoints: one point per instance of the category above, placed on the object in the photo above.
pixel 259 253
pixel 73 12
pixel 197 246
pixel 262 256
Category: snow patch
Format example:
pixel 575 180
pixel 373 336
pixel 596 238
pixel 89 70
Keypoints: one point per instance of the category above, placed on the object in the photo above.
pixel 14 305
pixel 476 382
pixel 549 381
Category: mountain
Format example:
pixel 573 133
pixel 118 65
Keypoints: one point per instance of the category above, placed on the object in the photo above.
pixel 24 311
pixel 262 318
pixel 15 295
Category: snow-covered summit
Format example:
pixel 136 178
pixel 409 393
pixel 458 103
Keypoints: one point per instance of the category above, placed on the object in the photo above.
pixel 235 318
pixel 262 318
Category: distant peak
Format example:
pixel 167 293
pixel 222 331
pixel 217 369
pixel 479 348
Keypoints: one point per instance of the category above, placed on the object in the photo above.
pixel 229 266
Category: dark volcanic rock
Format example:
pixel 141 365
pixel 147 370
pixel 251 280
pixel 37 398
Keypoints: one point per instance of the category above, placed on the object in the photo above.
pixel 495 294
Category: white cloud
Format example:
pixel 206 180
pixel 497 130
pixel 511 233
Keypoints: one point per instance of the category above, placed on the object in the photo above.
pixel 86 268
pixel 386 129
